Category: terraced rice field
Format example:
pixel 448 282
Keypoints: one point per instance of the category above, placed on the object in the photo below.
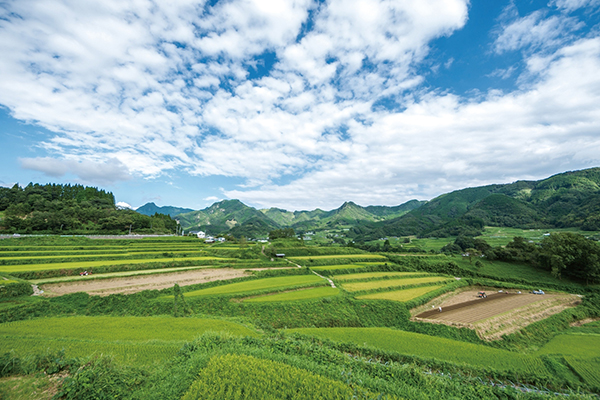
pixel 340 266
pixel 135 340
pixel 92 264
pixel 341 256
pixel 303 294
pixel 419 345
pixel 370 275
pixel 581 346
pixel 400 295
pixel 481 309
pixel 274 284
pixel 137 283
pixel 387 283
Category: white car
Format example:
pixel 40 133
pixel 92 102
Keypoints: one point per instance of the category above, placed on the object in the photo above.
pixel 538 292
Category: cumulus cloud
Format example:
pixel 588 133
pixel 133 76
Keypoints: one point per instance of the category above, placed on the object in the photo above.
pixel 139 88
pixel 107 172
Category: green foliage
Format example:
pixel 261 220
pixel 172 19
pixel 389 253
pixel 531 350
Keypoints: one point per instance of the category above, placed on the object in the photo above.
pixel 102 378
pixel 14 288
pixel 66 209
pixel 285 233
pixel 226 377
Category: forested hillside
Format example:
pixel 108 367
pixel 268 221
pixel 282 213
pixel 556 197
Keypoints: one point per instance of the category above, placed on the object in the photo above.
pixel 72 209
pixel 567 200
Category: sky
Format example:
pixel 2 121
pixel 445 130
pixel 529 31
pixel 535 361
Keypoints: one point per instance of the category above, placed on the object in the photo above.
pixel 296 104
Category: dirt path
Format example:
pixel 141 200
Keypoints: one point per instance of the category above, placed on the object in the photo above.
pixel 132 284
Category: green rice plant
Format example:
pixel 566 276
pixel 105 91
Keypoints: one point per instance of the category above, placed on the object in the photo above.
pixel 587 369
pixel 388 283
pixel 119 328
pixel 341 256
pixel 226 378
pixel 258 285
pixel 581 346
pixel 371 275
pixel 424 346
pixel 303 294
pixel 334 267
pixel 134 340
pixel 400 295
pixel 92 264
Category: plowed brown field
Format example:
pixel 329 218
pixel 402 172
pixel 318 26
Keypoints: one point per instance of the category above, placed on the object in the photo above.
pixel 132 284
pixel 498 314
pixel 480 309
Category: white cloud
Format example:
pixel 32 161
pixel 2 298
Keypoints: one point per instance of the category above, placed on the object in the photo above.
pixel 103 172
pixel 571 5
pixel 535 31
pixel 139 88
pixel 122 204
pixel 445 142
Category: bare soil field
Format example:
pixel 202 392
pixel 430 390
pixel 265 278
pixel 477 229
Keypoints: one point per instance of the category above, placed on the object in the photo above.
pixel 132 284
pixel 499 313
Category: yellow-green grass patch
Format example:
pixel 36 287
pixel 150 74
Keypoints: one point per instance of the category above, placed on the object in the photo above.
pixel 401 295
pixel 424 346
pixel 259 284
pixel 370 275
pixel 136 340
pixel 581 346
pixel 386 283
pixel 91 264
pixel 116 255
pixel 353 256
pixel 334 267
pixel 303 294
pixel 7 281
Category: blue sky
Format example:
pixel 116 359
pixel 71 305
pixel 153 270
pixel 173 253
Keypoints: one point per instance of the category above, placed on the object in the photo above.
pixel 296 104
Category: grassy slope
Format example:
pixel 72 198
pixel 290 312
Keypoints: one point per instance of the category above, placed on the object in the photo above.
pixel 431 347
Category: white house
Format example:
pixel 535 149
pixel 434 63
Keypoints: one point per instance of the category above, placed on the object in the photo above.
pixel 201 235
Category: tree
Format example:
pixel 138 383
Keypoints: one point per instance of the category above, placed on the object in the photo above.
pixel 286 233
pixel 571 255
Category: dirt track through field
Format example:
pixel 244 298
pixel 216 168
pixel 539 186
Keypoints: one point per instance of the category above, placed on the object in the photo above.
pixel 480 309
pixel 132 284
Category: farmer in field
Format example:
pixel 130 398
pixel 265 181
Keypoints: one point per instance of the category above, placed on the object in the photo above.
pixel 440 308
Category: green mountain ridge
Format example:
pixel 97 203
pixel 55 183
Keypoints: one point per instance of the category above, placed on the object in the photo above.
pixel 151 209
pixel 569 199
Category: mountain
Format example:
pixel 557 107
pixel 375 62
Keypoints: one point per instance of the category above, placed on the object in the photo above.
pixel 570 199
pixel 151 209
pixel 224 216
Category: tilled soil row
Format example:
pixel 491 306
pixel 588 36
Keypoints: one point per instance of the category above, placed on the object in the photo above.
pixel 435 314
